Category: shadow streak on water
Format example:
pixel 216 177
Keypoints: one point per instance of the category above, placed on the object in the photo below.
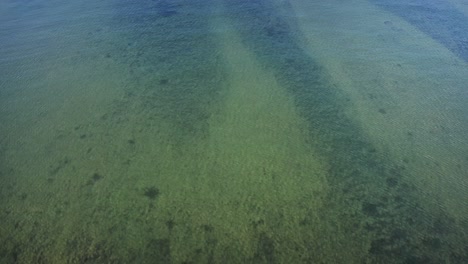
pixel 173 63
pixel 369 193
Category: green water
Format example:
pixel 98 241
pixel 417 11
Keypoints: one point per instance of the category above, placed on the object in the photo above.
pixel 218 131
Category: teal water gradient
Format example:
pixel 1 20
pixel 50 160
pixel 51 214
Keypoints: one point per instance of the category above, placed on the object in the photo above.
pixel 219 131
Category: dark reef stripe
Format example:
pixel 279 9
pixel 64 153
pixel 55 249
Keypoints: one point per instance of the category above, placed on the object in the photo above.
pixel 172 57
pixel 389 211
pixel 437 18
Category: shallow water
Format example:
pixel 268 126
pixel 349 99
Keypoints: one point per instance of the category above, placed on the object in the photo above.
pixel 218 131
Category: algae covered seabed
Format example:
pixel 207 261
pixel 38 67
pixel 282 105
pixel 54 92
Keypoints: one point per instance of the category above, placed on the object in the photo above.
pixel 219 131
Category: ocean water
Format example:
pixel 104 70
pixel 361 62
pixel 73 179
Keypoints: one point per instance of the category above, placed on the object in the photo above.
pixel 234 131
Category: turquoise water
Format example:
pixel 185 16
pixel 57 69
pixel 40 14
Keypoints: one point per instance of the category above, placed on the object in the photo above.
pixel 218 131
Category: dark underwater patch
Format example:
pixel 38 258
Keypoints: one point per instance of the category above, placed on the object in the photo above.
pixel 158 251
pixel 265 250
pixel 439 19
pixel 151 192
pixel 167 8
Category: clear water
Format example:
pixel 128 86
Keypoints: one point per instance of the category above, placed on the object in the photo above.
pixel 234 131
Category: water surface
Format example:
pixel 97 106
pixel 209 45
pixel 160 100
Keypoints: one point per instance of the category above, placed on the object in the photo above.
pixel 217 131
